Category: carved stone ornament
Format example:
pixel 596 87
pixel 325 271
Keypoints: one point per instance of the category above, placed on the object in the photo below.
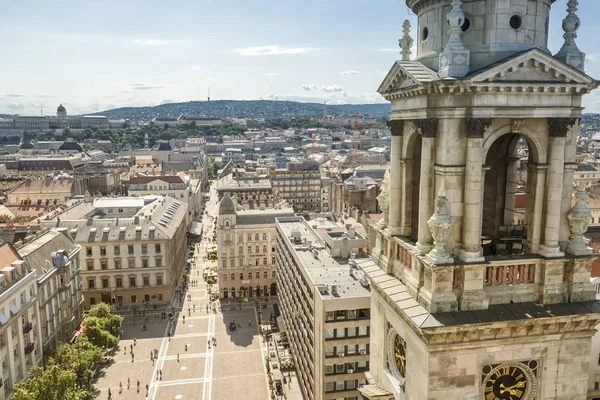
pixel 579 219
pixel 558 127
pixel 396 126
pixel 439 225
pixel 569 53
pixel 384 200
pixel 427 127
pixel 454 61
pixel 477 126
pixel 406 42
pixel 516 125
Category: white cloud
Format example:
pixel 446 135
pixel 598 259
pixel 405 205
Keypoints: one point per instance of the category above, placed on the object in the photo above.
pixel 328 89
pixel 376 73
pixel 350 72
pixel 271 50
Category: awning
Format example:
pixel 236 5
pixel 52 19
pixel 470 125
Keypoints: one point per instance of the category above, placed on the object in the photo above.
pixel 3 318
pixel 13 309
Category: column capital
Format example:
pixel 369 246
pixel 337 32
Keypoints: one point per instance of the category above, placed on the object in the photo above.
pixel 558 127
pixel 396 126
pixel 427 127
pixel 477 126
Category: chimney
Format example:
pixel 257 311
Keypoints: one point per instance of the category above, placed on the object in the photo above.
pixel 136 220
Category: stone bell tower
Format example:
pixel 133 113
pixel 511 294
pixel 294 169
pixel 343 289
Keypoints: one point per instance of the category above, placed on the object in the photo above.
pixel 482 289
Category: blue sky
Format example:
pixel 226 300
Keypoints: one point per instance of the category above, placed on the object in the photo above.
pixel 94 55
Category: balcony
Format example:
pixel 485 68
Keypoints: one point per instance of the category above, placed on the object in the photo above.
pixel 27 327
pixel 29 348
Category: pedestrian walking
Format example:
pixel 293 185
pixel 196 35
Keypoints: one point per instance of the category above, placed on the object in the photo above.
pixel 186 348
pixel 125 350
pixel 209 344
pixel 131 348
pixel 194 308
pixel 109 393
pixel 160 370
pixel 128 383
pixel 132 357
pixel 120 387
pixel 138 386
pixel 184 319
pixel 189 311
pixel 249 322
pixel 151 355
pixel 169 334
pixel 147 388
pixel 177 357
pixel 134 341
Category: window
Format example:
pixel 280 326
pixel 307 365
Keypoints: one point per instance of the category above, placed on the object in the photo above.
pixel 159 281
pixel 102 251
pixel 362 331
pixel 104 265
pixel 362 348
pixel 352 332
pixel 131 263
pixel 117 264
pixel 264 249
pixel 273 274
pixel 105 283
pixel 92 301
pixel 117 250
pixel 351 384
pixel 249 237
pixel 340 333
pixel 91 283
pixel 329 334
pixel 159 297
pixel 147 298
pixel 241 276
pixel 257 248
pixel 146 281
pixel 119 282
pixel 250 275
pixel 144 248
pixel 233 277
pixel 132 282
pixel 329 386
pixel 265 275
pixel 249 249
pixel 225 278
pixel 351 314
pixel 364 313
pixel 157 249
pixel 90 265
pixel 240 250
pixel 130 249
pixel 329 316
pixel 273 260
pixel 264 236
pixel 339 385
pixel 88 251
pixel 329 351
pixel 145 263
pixel 133 298
pixel 256 237
pixel 515 22
pixel 339 368
pixel 224 263
pixel 329 368
pixel 340 315
pixel 351 349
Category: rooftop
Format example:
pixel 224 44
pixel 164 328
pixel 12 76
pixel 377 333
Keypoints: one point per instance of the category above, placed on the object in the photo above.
pixel 324 271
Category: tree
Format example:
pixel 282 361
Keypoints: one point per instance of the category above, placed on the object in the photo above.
pixel 49 384
pixel 110 322
pixel 81 358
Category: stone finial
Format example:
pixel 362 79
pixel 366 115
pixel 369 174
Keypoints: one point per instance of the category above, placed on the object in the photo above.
pixel 569 52
pixel 439 225
pixel 406 42
pixel 579 219
pixel 384 200
pixel 455 59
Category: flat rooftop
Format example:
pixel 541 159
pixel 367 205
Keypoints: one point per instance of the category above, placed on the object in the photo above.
pixel 320 266
pixel 119 202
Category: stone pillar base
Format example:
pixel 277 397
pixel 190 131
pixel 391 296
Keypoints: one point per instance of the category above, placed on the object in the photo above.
pixel 554 294
pixel 424 248
pixel 393 231
pixel 471 256
pixel 581 291
pixel 474 300
pixel 412 285
pixel 438 302
pixel 550 251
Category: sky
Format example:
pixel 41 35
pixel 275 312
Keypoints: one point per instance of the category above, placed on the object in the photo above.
pixel 96 55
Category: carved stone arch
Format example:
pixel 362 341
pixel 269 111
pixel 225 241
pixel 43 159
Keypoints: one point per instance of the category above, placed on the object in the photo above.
pixel 411 136
pixel 538 149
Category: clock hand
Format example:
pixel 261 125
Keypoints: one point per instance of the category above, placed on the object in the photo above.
pixel 511 388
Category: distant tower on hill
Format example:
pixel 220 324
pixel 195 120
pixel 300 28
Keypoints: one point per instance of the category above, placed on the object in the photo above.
pixel 209 94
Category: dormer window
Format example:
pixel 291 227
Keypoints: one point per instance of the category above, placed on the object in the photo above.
pixel 425 34
pixel 515 22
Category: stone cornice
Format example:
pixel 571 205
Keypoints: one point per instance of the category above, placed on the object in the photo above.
pixel 559 127
pixel 478 126
pixel 396 126
pixel 511 329
pixel 427 127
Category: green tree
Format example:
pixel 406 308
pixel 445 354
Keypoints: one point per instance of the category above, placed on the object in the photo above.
pixel 81 358
pixel 49 384
pixel 110 321
pixel 97 334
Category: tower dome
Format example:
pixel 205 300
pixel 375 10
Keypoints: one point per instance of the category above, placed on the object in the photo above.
pixel 61 108
pixel 491 30
pixel 61 112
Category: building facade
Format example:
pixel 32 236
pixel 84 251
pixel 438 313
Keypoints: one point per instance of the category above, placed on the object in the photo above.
pixel 55 258
pixel 451 317
pixel 246 249
pixel 20 329
pixel 324 301
pixel 299 183
pixel 132 249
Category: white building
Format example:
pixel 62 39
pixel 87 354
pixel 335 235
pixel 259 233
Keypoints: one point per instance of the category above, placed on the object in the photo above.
pixel 324 302
pixel 234 155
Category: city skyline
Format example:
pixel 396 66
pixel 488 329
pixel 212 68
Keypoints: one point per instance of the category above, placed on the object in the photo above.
pixel 89 58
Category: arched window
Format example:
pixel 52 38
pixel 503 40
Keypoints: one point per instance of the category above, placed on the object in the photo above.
pixel 227 225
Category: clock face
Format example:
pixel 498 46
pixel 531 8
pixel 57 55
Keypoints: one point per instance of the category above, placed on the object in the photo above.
pixel 400 355
pixel 512 381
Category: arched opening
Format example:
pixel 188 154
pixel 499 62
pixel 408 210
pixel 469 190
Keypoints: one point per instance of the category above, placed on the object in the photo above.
pixel 266 290
pixel 233 292
pixel 506 198
pixel 410 208
pixel 273 289
pixel 225 293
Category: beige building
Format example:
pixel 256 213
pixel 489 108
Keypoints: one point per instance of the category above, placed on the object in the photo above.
pixel 249 190
pixel 451 318
pixel 132 248
pixel 20 324
pixel 55 258
pixel 299 183
pixel 324 301
pixel 246 249
pixel 47 191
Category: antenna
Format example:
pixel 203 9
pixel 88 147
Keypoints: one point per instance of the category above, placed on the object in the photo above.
pixel 209 93
pixel 41 112
pixel 356 139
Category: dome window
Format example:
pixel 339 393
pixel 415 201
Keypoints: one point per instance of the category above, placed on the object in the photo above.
pixel 465 27
pixel 515 22
pixel 425 34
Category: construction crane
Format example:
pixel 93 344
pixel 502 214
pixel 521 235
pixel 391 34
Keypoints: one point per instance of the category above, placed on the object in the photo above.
pixel 356 140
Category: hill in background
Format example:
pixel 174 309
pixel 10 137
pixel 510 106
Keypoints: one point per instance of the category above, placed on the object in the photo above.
pixel 243 109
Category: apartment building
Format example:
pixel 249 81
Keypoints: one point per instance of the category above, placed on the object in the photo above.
pixel 180 187
pixel 324 301
pixel 54 256
pixel 246 249
pixel 299 183
pixel 133 248
pixel 20 327
pixel 249 190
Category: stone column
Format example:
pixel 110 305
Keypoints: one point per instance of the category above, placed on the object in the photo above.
pixel 510 190
pixel 557 132
pixel 406 223
pixel 428 130
pixel 396 178
pixel 473 196
pixel 536 180
pixel 567 195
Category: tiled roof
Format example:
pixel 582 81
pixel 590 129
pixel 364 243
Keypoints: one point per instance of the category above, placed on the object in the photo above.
pixel 8 255
pixel 43 186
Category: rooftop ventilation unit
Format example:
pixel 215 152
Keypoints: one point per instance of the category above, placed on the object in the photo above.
pixel 334 289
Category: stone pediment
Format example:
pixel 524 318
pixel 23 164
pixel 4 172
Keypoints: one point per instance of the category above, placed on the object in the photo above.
pixel 532 66
pixel 406 75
